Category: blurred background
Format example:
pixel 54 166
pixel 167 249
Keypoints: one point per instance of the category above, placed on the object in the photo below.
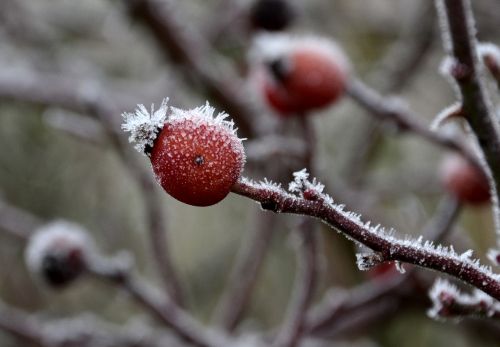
pixel 68 69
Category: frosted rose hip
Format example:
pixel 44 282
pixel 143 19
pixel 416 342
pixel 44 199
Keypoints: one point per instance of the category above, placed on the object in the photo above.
pixel 196 156
pixel 197 162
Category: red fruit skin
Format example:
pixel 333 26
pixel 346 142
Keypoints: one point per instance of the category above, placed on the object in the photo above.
pixel 382 271
pixel 315 81
pixel 197 163
pixel 465 181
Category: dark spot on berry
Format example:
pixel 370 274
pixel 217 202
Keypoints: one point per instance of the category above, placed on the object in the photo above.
pixel 57 271
pixel 280 68
pixel 199 160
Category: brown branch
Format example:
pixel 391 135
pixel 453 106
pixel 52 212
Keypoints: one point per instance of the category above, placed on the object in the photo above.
pixel 392 249
pixel 392 111
pixel 466 70
pixel 195 54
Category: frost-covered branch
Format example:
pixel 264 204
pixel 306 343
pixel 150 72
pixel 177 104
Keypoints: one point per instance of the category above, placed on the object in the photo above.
pixel 448 302
pixel 311 201
pixel 334 312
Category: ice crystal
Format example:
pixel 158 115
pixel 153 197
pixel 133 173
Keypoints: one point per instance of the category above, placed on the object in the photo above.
pixel 144 125
pixel 203 114
pixel 366 261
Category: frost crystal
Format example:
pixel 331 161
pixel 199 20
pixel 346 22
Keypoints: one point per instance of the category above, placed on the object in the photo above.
pixel 57 238
pixel 366 261
pixel 143 125
pixel 489 50
pixel 449 302
pixel 203 114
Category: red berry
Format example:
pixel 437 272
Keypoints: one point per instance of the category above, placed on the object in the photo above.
pixel 382 271
pixel 464 180
pixel 195 155
pixel 304 75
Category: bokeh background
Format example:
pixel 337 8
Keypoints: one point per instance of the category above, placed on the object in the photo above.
pixel 58 163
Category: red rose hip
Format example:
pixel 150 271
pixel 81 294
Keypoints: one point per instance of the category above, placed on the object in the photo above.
pixel 301 74
pixel 464 180
pixel 196 156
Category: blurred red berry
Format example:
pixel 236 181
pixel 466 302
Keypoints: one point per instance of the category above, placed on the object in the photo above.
pixel 303 75
pixel 464 180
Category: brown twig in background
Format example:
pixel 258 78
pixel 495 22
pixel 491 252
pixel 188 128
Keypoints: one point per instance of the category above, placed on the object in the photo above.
pixel 292 328
pixel 403 118
pixel 193 52
pixel 397 68
pixel 241 281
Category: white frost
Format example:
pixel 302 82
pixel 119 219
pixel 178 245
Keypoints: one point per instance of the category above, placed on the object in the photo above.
pixel 143 125
pixel 444 294
pixel 488 49
pixel 272 46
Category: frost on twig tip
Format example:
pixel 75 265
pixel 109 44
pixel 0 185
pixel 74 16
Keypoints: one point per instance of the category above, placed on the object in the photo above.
pixel 144 125
pixel 490 55
pixel 448 302
pixel 366 261
pixel 494 256
pixel 450 112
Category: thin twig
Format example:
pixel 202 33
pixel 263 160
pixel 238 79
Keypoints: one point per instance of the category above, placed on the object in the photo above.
pixel 241 282
pixel 390 110
pixel 292 328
